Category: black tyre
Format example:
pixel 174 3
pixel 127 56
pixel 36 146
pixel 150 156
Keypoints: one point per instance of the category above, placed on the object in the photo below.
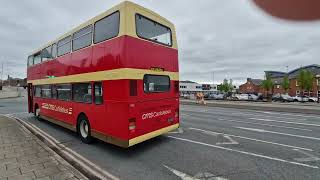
pixel 84 129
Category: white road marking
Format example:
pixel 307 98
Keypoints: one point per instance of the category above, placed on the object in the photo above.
pixel 264 116
pixel 231 141
pixel 286 122
pixel 246 153
pixel 310 157
pixel 17 113
pixel 209 176
pixel 246 114
pixel 287 114
pixel 246 122
pixel 280 133
pixel 185 115
pixel 199 176
pixel 220 137
pixel 252 139
pixel 180 174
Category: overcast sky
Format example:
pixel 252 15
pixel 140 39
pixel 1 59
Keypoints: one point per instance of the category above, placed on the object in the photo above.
pixel 231 38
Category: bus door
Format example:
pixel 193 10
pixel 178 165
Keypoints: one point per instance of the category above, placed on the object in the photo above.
pixel 98 106
pixel 30 98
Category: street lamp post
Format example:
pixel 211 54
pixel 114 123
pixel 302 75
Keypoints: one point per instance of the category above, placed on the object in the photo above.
pixel 213 80
pixel 1 75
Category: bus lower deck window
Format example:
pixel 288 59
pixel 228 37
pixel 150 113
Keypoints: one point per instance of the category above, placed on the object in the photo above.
pixel 82 92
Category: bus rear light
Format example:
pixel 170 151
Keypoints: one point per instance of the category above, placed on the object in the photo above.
pixel 132 124
pixel 132 105
pixel 176 86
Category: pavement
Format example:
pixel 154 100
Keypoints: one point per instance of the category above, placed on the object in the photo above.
pixel 24 156
pixel 213 143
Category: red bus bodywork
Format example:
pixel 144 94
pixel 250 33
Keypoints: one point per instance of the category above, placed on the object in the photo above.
pixel 153 113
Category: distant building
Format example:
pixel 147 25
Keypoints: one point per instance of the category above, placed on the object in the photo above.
pixel 252 86
pixel 255 85
pixel 190 87
pixel 277 78
pixel 15 82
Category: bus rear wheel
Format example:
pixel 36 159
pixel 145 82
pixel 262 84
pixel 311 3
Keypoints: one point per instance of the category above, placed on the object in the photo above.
pixel 84 130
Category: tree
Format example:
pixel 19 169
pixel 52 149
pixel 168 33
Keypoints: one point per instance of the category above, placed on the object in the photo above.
pixel 309 77
pixel 301 80
pixel 267 84
pixel 285 83
pixel 226 86
pixel 305 80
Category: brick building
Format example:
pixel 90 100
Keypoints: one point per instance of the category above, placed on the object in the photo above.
pixel 255 85
pixel 277 78
pixel 252 86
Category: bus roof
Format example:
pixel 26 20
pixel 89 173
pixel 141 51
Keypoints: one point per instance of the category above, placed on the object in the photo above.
pixel 126 5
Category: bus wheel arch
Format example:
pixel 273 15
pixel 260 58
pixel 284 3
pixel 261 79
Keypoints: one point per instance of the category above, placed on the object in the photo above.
pixel 84 128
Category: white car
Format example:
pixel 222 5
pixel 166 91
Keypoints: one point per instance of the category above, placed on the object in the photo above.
pixel 282 98
pixel 300 99
pixel 216 96
pixel 186 96
pixel 253 97
pixel 312 99
pixel 243 97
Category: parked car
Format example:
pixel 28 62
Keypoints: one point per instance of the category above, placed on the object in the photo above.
pixel 282 98
pixel 253 97
pixel 243 97
pixel 300 99
pixel 216 96
pixel 312 99
pixel 186 96
pixel 235 96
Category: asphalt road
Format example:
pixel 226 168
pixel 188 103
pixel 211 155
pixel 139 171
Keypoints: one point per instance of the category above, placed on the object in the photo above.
pixel 213 143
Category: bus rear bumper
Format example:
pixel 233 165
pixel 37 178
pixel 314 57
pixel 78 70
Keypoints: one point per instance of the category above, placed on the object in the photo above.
pixel 152 134
pixel 133 141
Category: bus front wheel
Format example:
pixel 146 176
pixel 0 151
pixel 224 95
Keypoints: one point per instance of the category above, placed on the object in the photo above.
pixel 84 130
pixel 37 111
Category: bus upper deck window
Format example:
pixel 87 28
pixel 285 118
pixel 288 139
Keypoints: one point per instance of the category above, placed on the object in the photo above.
pixel 153 31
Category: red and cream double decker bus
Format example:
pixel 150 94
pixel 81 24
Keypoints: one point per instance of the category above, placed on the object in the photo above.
pixel 114 77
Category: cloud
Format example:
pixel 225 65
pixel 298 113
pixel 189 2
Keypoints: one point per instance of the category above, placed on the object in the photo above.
pixel 232 39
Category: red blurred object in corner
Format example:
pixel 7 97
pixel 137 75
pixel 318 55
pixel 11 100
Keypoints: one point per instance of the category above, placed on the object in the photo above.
pixel 299 10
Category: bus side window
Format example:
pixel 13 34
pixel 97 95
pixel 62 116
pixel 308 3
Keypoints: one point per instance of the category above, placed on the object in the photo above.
pixel 54 50
pixel 37 91
pixel 30 61
pixel 54 91
pixel 98 93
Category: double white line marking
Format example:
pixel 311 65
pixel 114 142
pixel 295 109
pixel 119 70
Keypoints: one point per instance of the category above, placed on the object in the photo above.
pixel 244 152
